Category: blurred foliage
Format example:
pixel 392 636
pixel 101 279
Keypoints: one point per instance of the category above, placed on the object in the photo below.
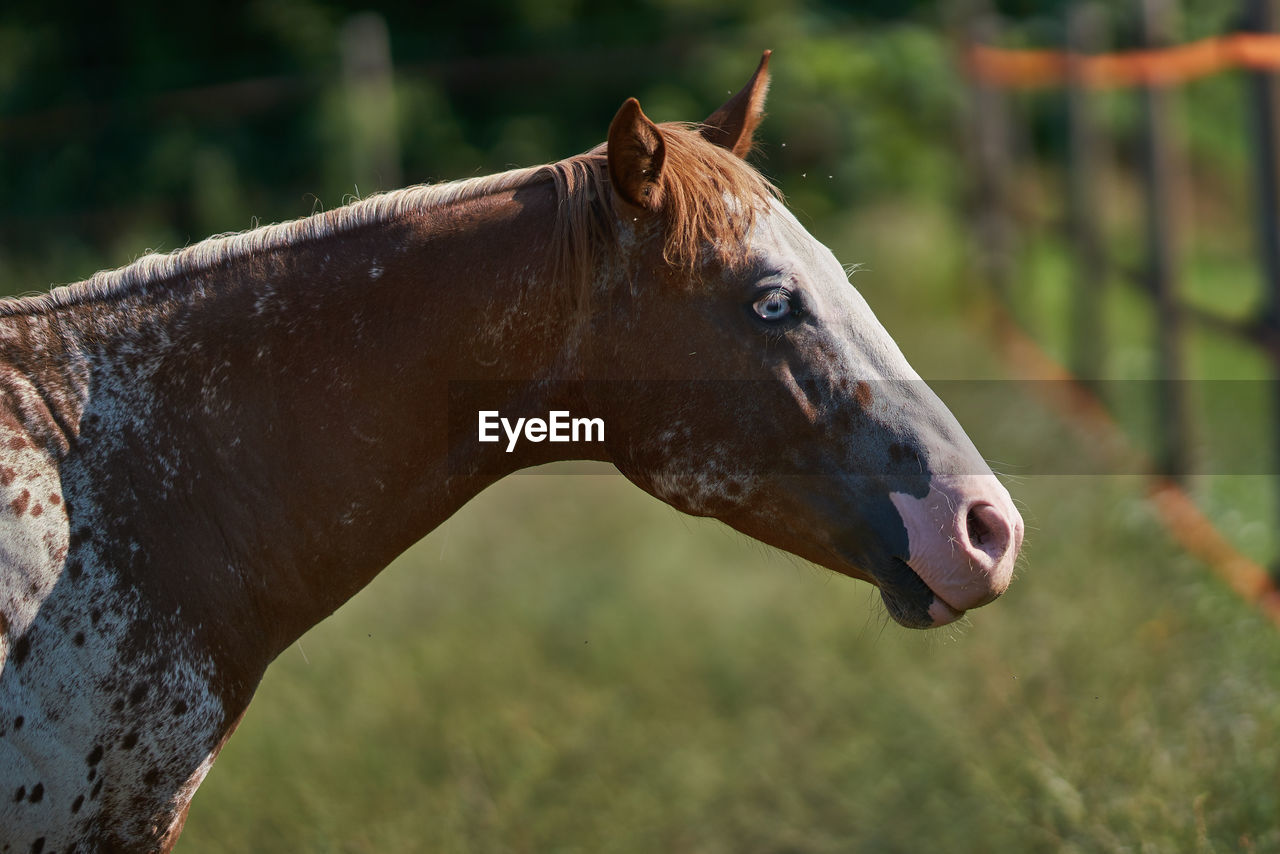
pixel 154 129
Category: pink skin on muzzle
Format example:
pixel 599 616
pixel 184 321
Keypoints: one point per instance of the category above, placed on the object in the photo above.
pixel 963 537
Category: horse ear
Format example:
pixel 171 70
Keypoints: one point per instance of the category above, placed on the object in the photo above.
pixel 636 154
pixel 733 124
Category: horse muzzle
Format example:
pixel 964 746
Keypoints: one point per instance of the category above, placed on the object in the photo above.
pixel 963 536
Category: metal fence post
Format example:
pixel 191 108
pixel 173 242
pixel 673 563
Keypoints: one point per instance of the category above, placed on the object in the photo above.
pixel 369 86
pixel 1163 197
pixel 1085 27
pixel 992 162
pixel 1263 16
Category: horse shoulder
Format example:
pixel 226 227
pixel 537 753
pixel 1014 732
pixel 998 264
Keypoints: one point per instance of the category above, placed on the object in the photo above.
pixel 35 767
pixel 107 718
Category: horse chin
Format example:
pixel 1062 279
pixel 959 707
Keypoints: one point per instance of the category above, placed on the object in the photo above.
pixel 909 601
pixel 943 613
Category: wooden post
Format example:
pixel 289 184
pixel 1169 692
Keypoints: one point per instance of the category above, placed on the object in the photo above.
pixel 1085 27
pixel 1263 16
pixel 370 103
pixel 1164 198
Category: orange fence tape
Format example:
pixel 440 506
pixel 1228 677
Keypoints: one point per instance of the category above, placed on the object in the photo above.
pixel 1041 69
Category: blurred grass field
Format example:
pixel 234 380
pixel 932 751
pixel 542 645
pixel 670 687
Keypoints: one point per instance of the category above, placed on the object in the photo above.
pixel 568 665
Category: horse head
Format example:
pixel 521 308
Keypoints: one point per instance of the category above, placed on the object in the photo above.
pixel 743 377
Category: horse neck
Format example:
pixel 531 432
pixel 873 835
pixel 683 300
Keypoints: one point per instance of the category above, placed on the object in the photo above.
pixel 285 417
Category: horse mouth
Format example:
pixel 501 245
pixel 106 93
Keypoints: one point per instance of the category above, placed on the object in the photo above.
pixel 909 600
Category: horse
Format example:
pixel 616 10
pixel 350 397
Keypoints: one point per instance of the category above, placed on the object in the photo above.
pixel 205 453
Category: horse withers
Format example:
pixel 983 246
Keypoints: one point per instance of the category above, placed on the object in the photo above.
pixel 205 453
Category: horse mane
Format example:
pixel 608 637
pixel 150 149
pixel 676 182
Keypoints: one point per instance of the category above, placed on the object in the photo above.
pixel 710 200
pixel 710 197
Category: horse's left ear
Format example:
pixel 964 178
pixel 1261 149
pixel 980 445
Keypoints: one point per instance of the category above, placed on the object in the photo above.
pixel 636 154
pixel 733 124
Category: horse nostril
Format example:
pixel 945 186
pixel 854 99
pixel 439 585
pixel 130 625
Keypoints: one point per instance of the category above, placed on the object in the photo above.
pixel 978 529
pixel 987 530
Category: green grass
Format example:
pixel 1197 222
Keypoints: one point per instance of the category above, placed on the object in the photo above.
pixel 569 666
pixel 607 676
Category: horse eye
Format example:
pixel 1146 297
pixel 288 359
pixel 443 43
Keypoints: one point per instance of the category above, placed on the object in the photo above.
pixel 774 305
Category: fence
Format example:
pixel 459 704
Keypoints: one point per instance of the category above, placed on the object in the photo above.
pixel 1155 71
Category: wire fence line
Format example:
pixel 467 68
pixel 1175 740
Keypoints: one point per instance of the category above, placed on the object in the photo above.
pixel 239 98
pixel 1078 70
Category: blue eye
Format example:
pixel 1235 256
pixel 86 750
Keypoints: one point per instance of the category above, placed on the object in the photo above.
pixel 773 306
